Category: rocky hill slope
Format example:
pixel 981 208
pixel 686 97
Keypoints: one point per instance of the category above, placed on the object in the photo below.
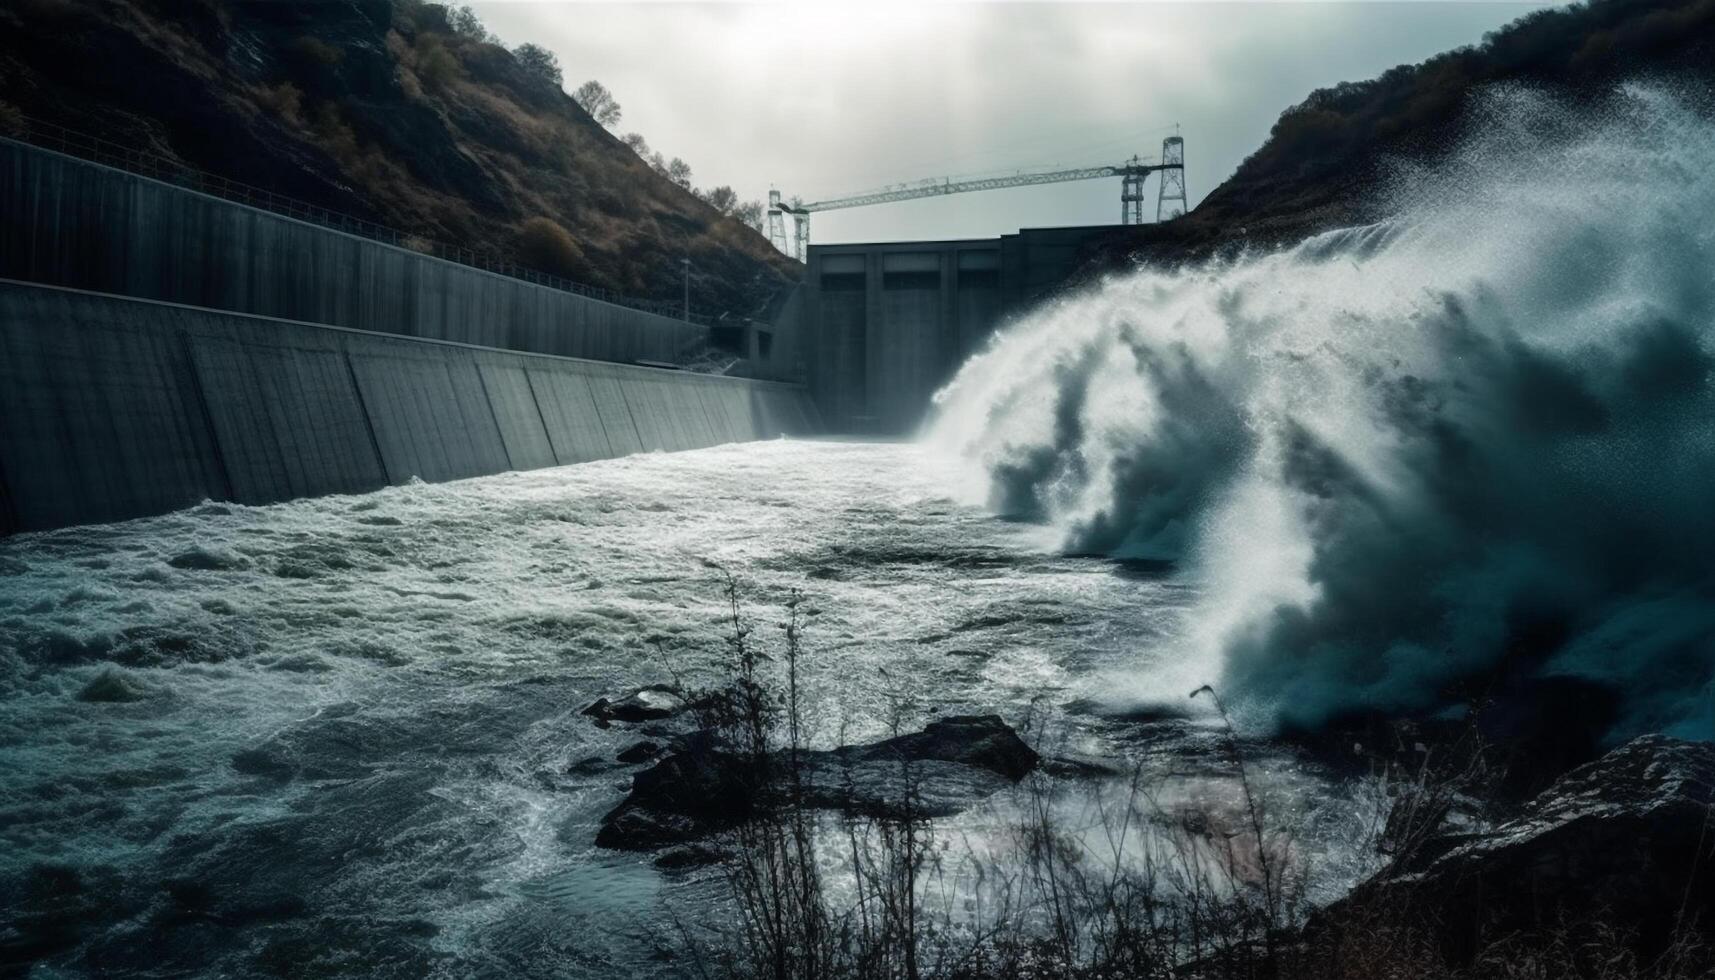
pixel 1319 167
pixel 381 110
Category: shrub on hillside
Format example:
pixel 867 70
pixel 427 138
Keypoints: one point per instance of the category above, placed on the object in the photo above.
pixel 285 100
pixel 436 66
pixel 544 245
pixel 317 51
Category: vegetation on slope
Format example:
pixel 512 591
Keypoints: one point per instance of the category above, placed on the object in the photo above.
pixel 1320 164
pixel 382 109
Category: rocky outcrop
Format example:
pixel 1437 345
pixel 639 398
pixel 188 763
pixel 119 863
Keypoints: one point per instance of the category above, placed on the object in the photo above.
pixel 1626 840
pixel 705 786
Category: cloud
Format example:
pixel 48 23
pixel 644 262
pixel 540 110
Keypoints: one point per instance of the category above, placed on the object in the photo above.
pixel 826 98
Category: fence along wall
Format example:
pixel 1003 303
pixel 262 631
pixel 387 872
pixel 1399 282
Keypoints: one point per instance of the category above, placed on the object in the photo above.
pixel 113 408
pixel 73 223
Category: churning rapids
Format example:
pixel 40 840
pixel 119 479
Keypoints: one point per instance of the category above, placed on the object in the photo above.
pixel 342 736
pixel 1463 453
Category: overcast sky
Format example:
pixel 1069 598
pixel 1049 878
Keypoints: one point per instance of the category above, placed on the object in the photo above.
pixel 825 99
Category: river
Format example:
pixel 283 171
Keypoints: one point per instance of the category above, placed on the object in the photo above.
pixel 342 736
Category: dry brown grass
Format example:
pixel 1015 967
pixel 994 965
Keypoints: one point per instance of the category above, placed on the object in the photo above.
pixel 435 66
pixel 544 245
pixel 284 100
pixel 316 51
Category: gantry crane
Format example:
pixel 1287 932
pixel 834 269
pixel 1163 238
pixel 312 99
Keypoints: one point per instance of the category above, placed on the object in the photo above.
pixel 1170 201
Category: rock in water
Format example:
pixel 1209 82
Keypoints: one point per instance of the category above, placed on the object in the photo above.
pixel 1626 840
pixel 705 786
pixel 638 752
pixel 111 686
pixel 650 703
pixel 979 741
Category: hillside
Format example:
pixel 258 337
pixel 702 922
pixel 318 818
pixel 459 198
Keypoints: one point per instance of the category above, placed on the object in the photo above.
pixel 381 110
pixel 1319 166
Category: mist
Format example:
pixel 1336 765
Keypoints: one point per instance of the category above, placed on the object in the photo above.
pixel 1415 464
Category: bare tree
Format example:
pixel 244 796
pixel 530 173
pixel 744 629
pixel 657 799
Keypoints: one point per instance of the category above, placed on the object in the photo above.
pixel 679 172
pixel 465 23
pixel 750 212
pixel 638 144
pixel 538 61
pixel 598 102
pixel 659 162
pixel 722 198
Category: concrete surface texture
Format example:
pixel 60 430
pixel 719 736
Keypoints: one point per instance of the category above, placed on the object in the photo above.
pixel 73 223
pixel 884 325
pixel 113 408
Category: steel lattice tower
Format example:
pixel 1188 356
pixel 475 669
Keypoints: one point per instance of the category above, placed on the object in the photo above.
pixel 1131 193
pixel 777 223
pixel 1171 203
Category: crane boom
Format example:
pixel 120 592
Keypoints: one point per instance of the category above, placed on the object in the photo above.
pixel 911 192
pixel 1170 203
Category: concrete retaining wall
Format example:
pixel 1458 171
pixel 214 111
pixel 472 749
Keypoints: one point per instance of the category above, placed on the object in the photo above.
pixel 73 223
pixel 113 408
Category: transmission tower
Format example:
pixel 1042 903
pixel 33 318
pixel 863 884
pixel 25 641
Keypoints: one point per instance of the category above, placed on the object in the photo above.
pixel 1171 203
pixel 1134 174
pixel 1131 192
pixel 777 223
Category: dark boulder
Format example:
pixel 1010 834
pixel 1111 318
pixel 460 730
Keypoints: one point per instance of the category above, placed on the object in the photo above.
pixel 704 786
pixel 638 752
pixel 1081 767
pixel 689 856
pixel 593 765
pixel 112 686
pixel 980 741
pixel 1625 840
pixel 652 703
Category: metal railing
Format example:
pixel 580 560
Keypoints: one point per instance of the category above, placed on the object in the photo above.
pixel 51 136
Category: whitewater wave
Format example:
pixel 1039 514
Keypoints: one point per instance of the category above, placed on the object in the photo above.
pixel 1459 452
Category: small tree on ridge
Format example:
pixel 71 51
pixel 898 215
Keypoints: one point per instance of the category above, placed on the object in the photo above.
pixel 599 103
pixel 538 61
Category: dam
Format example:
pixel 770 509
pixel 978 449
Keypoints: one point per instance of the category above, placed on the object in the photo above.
pixel 885 325
pixel 161 346
pixel 164 346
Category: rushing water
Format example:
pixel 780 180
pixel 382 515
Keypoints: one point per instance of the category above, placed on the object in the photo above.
pixel 341 735
pixel 1461 453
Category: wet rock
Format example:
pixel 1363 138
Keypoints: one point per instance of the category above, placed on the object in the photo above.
pixel 704 786
pixel 1624 840
pixel 689 856
pixel 980 741
pixel 111 687
pixel 1081 767
pixel 200 559
pixel 594 765
pixel 639 752
pixel 652 703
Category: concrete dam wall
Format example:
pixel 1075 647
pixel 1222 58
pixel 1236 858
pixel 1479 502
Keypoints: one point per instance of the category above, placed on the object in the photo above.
pixel 886 324
pixel 74 223
pixel 113 408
